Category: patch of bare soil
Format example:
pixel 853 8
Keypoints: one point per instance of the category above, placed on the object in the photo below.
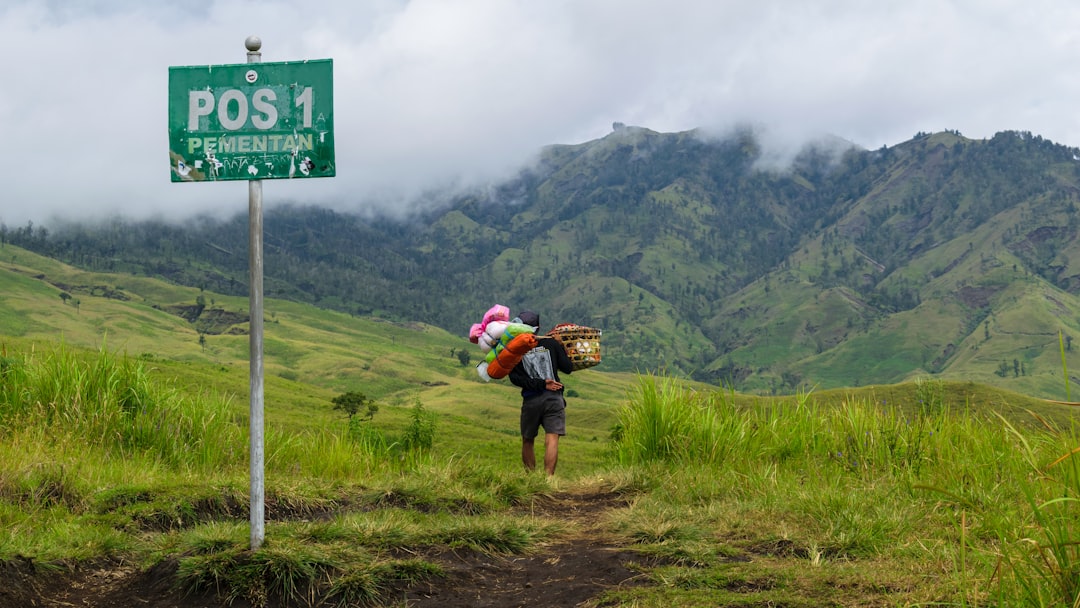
pixel 567 571
pixel 562 574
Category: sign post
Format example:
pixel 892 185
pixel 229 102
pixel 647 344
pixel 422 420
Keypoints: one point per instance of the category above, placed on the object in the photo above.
pixel 252 121
pixel 257 506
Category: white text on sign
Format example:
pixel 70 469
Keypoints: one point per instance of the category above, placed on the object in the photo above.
pixel 234 108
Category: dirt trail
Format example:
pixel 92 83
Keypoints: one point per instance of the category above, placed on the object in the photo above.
pixel 566 571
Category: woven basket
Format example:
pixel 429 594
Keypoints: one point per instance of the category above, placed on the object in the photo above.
pixel 582 344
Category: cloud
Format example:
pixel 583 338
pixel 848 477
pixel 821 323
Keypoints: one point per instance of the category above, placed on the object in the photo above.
pixel 432 94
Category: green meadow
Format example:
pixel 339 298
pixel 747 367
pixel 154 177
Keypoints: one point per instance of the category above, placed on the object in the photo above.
pixel 125 439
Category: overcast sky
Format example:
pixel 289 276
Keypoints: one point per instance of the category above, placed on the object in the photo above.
pixel 429 93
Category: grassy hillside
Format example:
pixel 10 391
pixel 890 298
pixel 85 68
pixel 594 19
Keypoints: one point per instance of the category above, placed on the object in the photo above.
pixel 115 486
pixel 310 354
pixel 125 471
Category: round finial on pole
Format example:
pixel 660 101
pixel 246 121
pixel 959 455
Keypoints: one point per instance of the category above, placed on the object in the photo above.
pixel 253 43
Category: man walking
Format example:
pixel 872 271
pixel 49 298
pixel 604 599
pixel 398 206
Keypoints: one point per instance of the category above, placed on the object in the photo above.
pixel 542 402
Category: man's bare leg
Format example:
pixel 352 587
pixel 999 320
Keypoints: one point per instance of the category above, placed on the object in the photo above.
pixel 551 452
pixel 528 454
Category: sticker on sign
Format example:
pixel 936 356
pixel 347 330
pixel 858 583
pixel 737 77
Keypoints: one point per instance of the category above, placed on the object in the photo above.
pixel 251 121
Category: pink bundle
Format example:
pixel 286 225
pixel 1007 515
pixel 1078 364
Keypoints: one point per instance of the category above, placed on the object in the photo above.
pixel 497 312
pixel 490 334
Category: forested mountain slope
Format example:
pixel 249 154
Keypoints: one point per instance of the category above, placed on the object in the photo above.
pixel 941 255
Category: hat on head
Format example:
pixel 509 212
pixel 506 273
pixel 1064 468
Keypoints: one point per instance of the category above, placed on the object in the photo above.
pixel 529 317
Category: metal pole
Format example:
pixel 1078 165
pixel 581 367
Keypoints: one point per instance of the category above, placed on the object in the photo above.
pixel 255 330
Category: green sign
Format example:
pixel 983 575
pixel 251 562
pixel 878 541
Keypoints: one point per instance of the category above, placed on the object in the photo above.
pixel 251 121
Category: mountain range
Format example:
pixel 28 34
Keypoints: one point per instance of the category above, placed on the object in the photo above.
pixel 696 254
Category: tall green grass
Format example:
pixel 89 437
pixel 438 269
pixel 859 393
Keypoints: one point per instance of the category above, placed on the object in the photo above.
pixel 1042 564
pixel 651 427
pixel 109 403
pixel 864 479
pixel 98 458
pixel 666 422
pixel 77 403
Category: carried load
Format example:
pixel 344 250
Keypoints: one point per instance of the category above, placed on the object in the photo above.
pixel 505 342
pixel 479 333
pixel 508 355
pixel 582 344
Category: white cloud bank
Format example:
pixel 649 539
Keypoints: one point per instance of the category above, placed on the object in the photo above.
pixel 433 92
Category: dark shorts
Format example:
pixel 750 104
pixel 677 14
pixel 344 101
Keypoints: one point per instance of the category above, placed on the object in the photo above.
pixel 548 410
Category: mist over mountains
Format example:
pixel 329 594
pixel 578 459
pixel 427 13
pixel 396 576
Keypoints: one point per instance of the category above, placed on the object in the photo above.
pixel 698 254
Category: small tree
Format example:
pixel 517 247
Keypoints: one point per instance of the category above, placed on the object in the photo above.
pixel 464 357
pixel 352 403
pixel 1003 369
pixel 419 436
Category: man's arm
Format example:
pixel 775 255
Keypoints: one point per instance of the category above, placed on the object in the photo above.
pixel 520 378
